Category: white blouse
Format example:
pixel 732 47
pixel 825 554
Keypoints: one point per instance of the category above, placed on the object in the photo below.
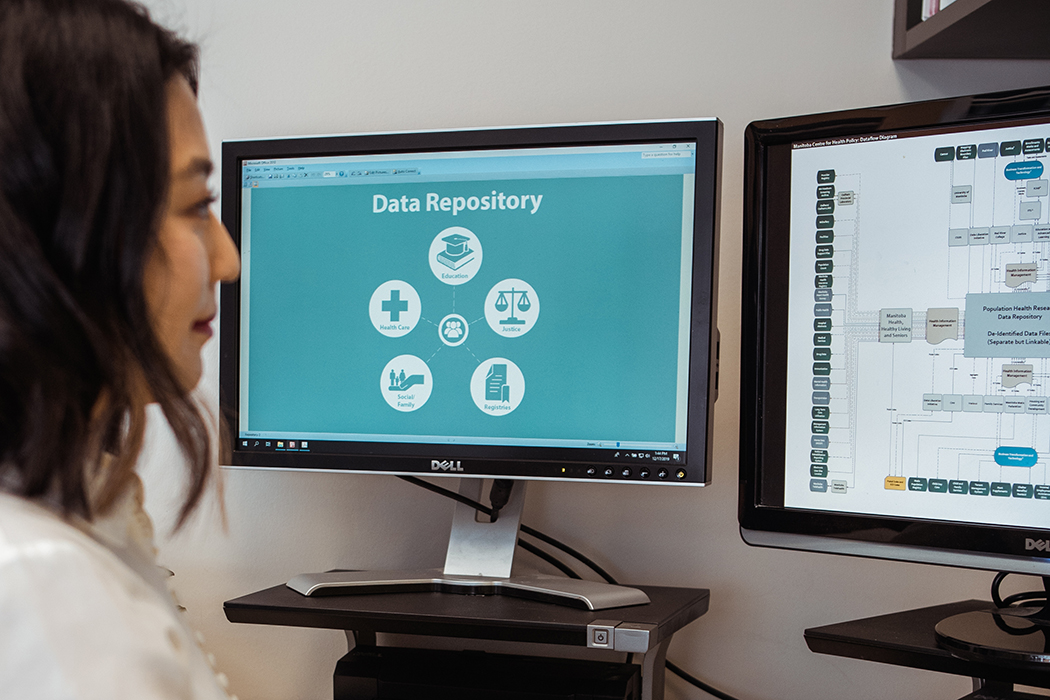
pixel 85 613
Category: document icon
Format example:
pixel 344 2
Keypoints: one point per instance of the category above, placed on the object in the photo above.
pixel 496 387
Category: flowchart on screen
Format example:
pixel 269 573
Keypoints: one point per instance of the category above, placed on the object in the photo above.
pixel 927 269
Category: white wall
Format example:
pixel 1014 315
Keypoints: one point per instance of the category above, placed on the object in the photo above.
pixel 275 67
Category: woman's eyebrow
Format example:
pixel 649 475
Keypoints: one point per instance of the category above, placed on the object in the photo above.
pixel 196 167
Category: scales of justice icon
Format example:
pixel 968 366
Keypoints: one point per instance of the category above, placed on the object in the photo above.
pixel 502 305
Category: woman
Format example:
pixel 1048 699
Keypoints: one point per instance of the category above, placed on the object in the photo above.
pixel 109 255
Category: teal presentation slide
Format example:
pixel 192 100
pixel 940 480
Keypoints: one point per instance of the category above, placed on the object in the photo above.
pixel 532 309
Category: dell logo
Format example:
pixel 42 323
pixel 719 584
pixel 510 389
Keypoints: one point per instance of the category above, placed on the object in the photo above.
pixel 1040 545
pixel 445 466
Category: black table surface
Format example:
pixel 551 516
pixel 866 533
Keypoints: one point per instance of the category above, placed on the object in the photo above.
pixel 907 639
pixel 499 617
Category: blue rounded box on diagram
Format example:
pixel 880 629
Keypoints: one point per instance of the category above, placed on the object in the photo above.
pixel 1023 170
pixel 1015 456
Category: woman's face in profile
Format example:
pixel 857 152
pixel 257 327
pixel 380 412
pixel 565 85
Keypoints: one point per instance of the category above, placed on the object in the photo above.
pixel 194 250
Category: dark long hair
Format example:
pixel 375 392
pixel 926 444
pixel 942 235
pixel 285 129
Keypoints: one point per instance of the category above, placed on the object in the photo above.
pixel 84 170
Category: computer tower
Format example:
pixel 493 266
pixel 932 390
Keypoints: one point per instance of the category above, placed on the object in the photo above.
pixel 394 673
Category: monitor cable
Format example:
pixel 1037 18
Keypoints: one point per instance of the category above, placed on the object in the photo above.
pixel 499 495
pixel 579 556
pixel 493 513
pixel 1026 596
pixel 549 558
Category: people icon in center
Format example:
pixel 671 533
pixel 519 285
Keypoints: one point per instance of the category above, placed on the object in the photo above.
pixel 453 330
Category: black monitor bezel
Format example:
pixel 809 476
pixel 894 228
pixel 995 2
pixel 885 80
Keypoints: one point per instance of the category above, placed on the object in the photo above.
pixel 762 517
pixel 526 463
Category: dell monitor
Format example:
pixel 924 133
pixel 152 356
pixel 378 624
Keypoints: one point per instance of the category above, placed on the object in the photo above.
pixel 513 303
pixel 896 336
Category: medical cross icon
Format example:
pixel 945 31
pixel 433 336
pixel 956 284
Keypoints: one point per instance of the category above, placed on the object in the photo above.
pixel 395 305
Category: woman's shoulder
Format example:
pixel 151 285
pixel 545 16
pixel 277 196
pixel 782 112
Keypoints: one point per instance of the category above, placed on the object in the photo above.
pixel 80 621
pixel 27 527
pixel 49 563
pixel 36 536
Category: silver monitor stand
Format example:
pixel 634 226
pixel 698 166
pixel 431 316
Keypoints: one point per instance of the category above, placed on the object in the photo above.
pixel 479 560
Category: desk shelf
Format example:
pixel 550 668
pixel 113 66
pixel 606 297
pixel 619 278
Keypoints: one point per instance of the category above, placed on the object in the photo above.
pixel 908 639
pixel 492 617
pixel 450 615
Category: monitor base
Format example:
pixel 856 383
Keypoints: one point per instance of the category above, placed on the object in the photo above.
pixel 479 561
pixel 588 595
pixel 1016 636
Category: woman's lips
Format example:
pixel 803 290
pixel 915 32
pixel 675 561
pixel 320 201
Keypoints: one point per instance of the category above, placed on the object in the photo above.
pixel 204 327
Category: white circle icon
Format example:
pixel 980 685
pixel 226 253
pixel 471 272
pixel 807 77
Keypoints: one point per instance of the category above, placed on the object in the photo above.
pixel 394 308
pixel 497 386
pixel 512 307
pixel 453 330
pixel 406 383
pixel 455 255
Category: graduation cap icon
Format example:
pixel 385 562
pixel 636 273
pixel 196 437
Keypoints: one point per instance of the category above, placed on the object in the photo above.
pixel 456 253
pixel 456 244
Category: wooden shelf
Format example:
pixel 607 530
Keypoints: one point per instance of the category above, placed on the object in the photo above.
pixel 908 639
pixel 493 617
pixel 973 29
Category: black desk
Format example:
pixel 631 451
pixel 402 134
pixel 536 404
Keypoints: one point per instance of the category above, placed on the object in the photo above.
pixel 647 629
pixel 907 639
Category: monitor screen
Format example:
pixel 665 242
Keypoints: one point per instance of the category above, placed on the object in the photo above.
pixel 532 302
pixel 896 332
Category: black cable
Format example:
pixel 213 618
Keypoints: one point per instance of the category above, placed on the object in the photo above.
pixel 1011 600
pixel 549 558
pixel 693 680
pixel 570 551
pixel 579 556
pixel 447 494
pixel 673 668
pixel 996 582
pixel 499 495
pixel 527 546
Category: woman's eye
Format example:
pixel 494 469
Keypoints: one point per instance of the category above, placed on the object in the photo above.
pixel 202 208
